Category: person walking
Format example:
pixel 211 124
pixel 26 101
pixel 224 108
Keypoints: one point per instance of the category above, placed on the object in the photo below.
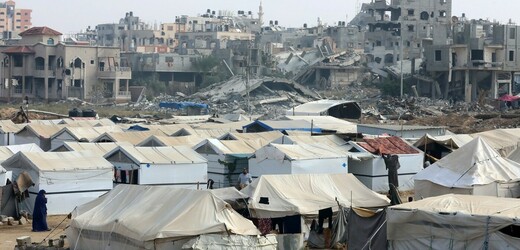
pixel 39 222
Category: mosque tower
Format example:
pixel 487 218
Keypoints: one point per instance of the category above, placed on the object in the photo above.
pixel 261 14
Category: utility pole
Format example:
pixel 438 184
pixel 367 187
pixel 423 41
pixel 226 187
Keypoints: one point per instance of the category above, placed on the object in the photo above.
pixel 401 58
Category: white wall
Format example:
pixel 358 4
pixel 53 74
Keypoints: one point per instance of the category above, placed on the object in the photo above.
pixel 374 175
pixel 174 174
pixel 315 166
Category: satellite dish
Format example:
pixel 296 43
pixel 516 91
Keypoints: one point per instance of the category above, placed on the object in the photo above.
pixel 454 19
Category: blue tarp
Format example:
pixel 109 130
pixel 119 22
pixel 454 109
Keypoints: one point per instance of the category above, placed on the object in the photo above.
pixel 183 105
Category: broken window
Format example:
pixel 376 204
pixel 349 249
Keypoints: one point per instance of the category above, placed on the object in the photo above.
pixel 378 43
pixel 425 16
pixel 511 55
pixel 477 54
pixel 442 13
pixel 411 12
pixel 512 33
pixel 411 28
pixel 438 55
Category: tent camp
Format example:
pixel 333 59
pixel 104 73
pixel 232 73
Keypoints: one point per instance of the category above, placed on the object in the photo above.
pixel 226 159
pixel 80 134
pixel 38 134
pixel 328 123
pixel 475 169
pixel 131 137
pixel 455 222
pixel 157 217
pixel 70 178
pixel 436 147
pixel 372 171
pixel 161 141
pixel 8 151
pixel 504 141
pixel 274 196
pixel 180 166
pixel 100 148
pixel 298 159
pixel 7 131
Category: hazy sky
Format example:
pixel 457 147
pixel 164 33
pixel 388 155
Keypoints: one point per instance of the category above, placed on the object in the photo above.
pixel 68 16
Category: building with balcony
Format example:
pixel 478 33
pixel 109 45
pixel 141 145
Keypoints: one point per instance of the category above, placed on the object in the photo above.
pixel 481 62
pixel 41 67
pixel 401 25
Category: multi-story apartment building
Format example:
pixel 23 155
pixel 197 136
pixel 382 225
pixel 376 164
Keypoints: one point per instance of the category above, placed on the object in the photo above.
pixel 482 62
pixel 40 66
pixel 12 20
pixel 400 25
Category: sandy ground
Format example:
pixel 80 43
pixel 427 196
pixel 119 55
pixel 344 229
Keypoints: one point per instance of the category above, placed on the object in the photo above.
pixel 8 234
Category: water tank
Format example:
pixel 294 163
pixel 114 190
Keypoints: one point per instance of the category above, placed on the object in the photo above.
pixel 75 112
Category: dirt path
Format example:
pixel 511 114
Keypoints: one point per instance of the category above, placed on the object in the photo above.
pixel 8 234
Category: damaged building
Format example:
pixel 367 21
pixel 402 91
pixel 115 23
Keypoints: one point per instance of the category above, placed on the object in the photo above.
pixel 400 25
pixel 480 63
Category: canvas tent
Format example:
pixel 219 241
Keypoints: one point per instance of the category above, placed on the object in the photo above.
pixel 7 131
pixel 80 134
pixel 335 108
pixel 476 168
pixel 455 222
pixel 153 217
pixel 328 123
pixel 274 196
pixel 180 166
pixel 38 134
pixel 298 159
pixel 226 158
pixel 437 147
pixel 100 148
pixel 158 141
pixel 70 178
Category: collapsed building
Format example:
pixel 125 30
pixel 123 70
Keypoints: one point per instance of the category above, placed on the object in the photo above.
pixel 481 61
pixel 400 25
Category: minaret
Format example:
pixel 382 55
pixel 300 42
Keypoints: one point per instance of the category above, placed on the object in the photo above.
pixel 261 14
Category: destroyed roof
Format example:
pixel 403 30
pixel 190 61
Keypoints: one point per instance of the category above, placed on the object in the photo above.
pixel 306 194
pixel 475 163
pixel 57 161
pixel 98 148
pixel 236 86
pixel 387 145
pixel 188 140
pixel 336 108
pixel 395 69
pixel 38 31
pixel 328 123
pixel 269 125
pixel 159 155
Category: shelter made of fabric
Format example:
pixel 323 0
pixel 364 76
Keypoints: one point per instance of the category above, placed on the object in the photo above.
pixel 273 196
pixel 454 222
pixel 136 217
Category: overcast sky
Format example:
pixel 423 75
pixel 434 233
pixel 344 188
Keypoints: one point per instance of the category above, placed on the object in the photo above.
pixel 69 16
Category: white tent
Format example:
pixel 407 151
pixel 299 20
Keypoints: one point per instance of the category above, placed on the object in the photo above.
pixel 306 194
pixel 8 151
pixel 80 134
pixel 227 158
pixel 153 217
pixel 454 222
pixel 180 166
pixel 298 159
pixel 7 132
pixel 69 178
pixel 476 168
